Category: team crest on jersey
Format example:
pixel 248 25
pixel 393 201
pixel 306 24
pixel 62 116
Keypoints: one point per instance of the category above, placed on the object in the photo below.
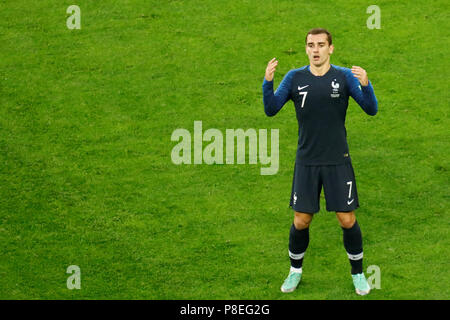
pixel 335 87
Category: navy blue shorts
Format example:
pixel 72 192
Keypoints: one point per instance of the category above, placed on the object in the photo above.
pixel 339 186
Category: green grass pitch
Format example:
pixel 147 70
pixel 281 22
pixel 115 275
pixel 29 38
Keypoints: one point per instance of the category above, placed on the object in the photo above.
pixel 87 179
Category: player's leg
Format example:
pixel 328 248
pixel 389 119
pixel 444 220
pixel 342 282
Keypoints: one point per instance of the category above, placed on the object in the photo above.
pixel 352 238
pixel 342 197
pixel 304 201
pixel 298 243
pixel 299 239
pixel 353 244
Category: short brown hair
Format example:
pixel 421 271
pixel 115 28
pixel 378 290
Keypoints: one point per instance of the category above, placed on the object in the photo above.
pixel 320 31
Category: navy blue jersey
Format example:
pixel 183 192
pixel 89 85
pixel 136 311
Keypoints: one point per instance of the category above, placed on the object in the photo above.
pixel 321 105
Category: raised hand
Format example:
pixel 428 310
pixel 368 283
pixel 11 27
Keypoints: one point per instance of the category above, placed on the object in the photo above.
pixel 361 75
pixel 270 70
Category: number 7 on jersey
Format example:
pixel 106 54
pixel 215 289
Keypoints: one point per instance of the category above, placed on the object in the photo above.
pixel 304 94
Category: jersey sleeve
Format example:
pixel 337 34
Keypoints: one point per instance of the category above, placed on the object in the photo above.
pixel 363 95
pixel 273 102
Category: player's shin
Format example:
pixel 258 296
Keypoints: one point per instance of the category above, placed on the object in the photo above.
pixel 298 243
pixel 354 247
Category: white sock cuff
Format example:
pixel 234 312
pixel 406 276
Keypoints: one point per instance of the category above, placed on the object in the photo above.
pixel 298 270
pixel 297 256
pixel 355 256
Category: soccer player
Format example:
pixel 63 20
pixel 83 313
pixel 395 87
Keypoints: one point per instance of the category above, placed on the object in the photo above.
pixel 320 92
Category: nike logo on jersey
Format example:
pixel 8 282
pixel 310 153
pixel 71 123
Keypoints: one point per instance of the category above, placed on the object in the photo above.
pixel 350 202
pixel 300 88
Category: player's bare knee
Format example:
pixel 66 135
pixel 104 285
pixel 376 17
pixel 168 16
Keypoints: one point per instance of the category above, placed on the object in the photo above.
pixel 347 224
pixel 302 220
pixel 346 219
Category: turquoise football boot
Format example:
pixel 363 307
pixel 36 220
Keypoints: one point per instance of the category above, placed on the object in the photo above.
pixel 291 282
pixel 361 286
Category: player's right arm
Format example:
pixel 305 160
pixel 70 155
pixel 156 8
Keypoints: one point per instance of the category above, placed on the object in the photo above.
pixel 273 102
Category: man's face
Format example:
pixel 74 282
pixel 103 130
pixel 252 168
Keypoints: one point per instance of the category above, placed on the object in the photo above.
pixel 318 49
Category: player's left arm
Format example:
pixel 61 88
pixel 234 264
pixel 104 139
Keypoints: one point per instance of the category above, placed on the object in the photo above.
pixel 361 90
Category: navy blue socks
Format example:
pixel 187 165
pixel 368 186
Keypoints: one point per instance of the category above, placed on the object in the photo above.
pixel 298 243
pixel 354 247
